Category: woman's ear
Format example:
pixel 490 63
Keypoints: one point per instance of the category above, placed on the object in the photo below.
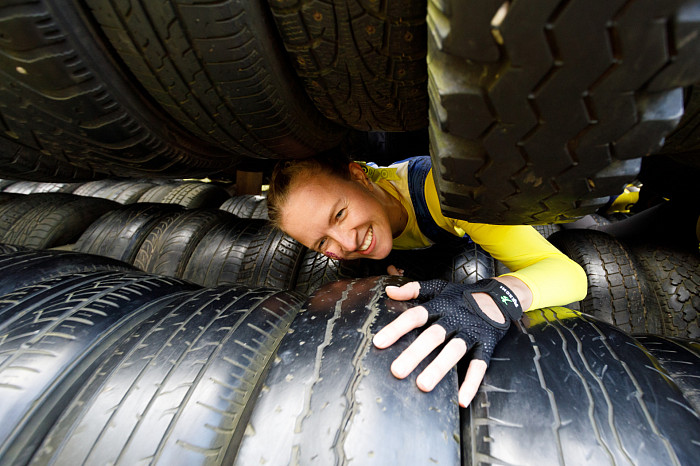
pixel 358 174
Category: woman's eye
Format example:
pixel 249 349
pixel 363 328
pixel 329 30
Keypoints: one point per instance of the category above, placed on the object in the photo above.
pixel 339 214
pixel 321 244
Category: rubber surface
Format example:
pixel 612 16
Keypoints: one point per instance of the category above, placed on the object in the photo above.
pixel 85 111
pixel 330 398
pixel 363 63
pixel 193 195
pixel 617 289
pixel 20 267
pixel 540 110
pixel 673 274
pixel 246 206
pixel 178 388
pixel 120 233
pixel 316 270
pixel 218 70
pixel 52 333
pixel 563 388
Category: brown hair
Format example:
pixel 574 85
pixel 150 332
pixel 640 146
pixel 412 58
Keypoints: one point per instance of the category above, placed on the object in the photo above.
pixel 286 173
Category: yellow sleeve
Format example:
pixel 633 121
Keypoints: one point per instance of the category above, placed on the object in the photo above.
pixel 553 278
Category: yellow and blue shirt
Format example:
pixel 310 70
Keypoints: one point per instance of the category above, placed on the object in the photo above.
pixel 553 278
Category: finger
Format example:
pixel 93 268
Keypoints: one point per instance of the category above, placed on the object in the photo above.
pixel 417 351
pixel 392 270
pixel 408 320
pixel 474 377
pixel 405 292
pixel 450 355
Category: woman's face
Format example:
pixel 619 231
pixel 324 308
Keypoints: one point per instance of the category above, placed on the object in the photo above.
pixel 343 219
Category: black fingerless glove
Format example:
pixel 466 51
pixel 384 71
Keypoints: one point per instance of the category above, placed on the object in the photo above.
pixel 459 315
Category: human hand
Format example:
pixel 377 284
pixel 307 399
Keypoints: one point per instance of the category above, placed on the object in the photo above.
pixel 392 270
pixel 459 317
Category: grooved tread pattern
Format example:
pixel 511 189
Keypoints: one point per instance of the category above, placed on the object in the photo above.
pixel 585 384
pixel 329 397
pixel 363 63
pixel 246 206
pixel 191 372
pixel 65 102
pixel 52 332
pixel 616 288
pixel 540 116
pixel 215 67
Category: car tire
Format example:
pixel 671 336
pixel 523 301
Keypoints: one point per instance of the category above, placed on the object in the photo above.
pixel 194 195
pixel 541 111
pixel 246 206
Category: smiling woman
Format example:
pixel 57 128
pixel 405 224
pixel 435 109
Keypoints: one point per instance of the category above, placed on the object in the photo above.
pixel 352 210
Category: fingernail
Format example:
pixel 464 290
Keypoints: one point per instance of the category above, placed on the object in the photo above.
pixel 379 340
pixel 399 370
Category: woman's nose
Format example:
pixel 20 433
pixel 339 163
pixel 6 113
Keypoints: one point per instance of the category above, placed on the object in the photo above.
pixel 345 238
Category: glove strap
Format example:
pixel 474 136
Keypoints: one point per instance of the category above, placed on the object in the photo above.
pixel 503 296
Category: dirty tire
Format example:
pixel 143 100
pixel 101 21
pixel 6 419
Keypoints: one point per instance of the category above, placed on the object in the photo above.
pixel 541 110
pixel 681 359
pixel 616 288
pixel 246 206
pixel 20 267
pixel 48 226
pixel 330 398
pixel 120 233
pixel 133 193
pixel 363 63
pixel 179 388
pixel 22 187
pixel 591 392
pixel 53 333
pixel 674 292
pixel 189 66
pixel 316 270
pixel 171 242
pixel 84 108
pixel 56 187
pixel 90 188
pixel 157 193
pixel 12 211
pixel 194 195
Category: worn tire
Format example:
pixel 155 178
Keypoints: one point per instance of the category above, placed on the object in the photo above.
pixel 541 110
pixel 330 398
pixel 564 388
pixel 617 290
pixel 120 233
pixel 179 388
pixel 186 56
pixel 83 107
pixel 194 195
pixel 316 270
pixel 171 242
pixel 48 226
pixel 12 211
pixel 20 267
pixel 157 193
pixel 53 333
pixel 673 275
pixel 246 206
pixel 363 63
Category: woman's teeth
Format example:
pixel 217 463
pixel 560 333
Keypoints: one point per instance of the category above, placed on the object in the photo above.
pixel 368 240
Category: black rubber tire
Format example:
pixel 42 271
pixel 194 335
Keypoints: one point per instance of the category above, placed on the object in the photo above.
pixel 317 270
pixel 547 230
pixel 539 115
pixel 12 211
pixel 249 252
pixel 246 206
pixel 19 162
pixel 330 398
pixel 53 334
pixel 683 142
pixel 120 233
pixel 4 184
pixel 83 108
pixel 564 388
pixel 56 187
pixel 194 195
pixel 22 187
pixel 157 193
pixel 681 359
pixel 132 193
pixel 673 275
pixel 179 388
pixel 171 242
pixel 8 197
pixel 20 267
pixel 189 68
pixel 90 188
pixel 363 63
pixel 617 290
pixel 48 226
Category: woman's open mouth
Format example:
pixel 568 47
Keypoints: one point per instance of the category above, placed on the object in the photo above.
pixel 368 242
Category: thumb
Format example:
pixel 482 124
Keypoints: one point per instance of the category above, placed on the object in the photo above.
pixel 404 292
